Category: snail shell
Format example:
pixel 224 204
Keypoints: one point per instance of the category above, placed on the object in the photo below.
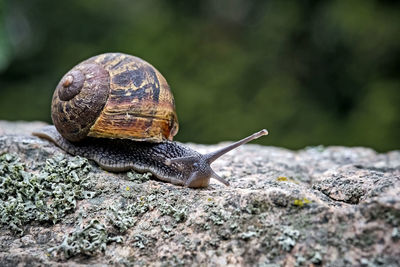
pixel 114 95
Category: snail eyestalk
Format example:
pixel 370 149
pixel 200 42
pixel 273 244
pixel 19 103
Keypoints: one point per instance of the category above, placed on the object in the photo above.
pixel 211 157
pixel 199 166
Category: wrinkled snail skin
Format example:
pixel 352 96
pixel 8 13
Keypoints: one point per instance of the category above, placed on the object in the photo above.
pixel 118 110
pixel 118 155
pixel 169 161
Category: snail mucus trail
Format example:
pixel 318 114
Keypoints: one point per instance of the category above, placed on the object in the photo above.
pixel 119 111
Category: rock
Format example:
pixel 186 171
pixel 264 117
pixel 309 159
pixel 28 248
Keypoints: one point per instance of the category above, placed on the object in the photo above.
pixel 19 127
pixel 333 206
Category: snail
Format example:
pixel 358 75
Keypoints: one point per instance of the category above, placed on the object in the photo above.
pixel 118 110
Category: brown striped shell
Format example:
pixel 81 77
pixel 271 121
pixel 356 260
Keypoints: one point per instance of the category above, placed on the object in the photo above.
pixel 114 95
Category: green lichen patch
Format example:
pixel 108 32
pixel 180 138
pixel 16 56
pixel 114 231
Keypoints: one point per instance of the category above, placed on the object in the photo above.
pixel 215 215
pixel 301 202
pixel 286 179
pixel 122 217
pixel 179 213
pixel 85 240
pixel 125 215
pixel 49 195
pixel 287 240
pixel 139 177
pixel 395 234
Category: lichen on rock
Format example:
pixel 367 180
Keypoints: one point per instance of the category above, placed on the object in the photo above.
pixel 86 240
pixel 328 206
pixel 41 196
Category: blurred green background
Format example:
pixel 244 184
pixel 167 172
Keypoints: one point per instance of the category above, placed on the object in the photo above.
pixel 311 72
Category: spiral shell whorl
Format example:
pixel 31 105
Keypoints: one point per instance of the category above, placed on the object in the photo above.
pixel 71 85
pixel 114 95
pixel 79 98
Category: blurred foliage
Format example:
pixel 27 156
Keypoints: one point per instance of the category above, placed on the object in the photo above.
pixel 311 72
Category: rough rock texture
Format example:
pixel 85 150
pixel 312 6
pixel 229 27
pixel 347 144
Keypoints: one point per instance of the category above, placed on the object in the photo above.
pixel 331 206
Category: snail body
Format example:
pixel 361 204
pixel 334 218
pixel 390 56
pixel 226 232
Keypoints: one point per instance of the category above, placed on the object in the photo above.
pixel 118 111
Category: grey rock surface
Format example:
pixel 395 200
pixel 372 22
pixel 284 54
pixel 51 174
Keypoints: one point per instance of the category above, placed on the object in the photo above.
pixel 330 206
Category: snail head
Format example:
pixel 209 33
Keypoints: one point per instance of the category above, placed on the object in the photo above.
pixel 198 168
